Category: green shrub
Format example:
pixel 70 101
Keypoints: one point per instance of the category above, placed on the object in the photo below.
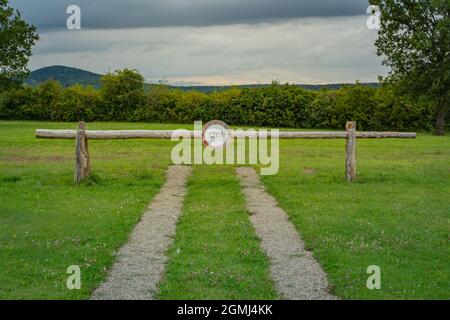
pixel 122 93
pixel 48 101
pixel 122 98
pixel 81 104
pixel 20 104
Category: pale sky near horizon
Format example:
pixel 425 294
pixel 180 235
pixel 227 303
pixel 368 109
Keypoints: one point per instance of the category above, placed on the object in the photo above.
pixel 210 42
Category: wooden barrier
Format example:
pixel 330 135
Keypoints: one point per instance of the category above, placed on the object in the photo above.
pixel 350 151
pixel 82 166
pixel 166 134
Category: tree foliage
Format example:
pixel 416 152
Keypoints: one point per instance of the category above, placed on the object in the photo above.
pixel 123 99
pixel 415 40
pixel 122 92
pixel 16 41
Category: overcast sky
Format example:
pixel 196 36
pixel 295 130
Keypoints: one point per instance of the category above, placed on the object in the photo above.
pixel 210 41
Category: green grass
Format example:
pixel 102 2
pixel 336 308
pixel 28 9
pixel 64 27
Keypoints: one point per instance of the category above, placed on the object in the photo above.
pixel 216 254
pixel 396 216
pixel 48 224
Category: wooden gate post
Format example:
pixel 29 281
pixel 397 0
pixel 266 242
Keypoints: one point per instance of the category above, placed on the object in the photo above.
pixel 82 168
pixel 350 149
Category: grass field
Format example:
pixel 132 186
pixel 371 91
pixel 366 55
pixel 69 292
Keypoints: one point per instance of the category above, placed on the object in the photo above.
pixel 396 216
pixel 216 254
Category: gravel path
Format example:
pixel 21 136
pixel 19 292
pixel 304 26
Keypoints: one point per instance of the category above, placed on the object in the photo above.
pixel 140 263
pixel 296 274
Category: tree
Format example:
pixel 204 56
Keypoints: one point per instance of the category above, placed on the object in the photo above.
pixel 122 93
pixel 80 103
pixel 414 39
pixel 16 40
pixel 48 100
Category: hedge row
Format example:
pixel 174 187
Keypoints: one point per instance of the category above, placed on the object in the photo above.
pixel 122 98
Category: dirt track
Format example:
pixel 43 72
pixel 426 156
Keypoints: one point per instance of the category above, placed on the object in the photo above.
pixel 296 274
pixel 140 263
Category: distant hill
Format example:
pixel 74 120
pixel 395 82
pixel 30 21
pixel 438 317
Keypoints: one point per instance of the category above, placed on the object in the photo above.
pixel 68 76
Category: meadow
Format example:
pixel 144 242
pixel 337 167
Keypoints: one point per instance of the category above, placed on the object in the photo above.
pixel 396 215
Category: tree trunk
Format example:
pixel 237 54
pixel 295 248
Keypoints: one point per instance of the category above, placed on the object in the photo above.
pixel 440 121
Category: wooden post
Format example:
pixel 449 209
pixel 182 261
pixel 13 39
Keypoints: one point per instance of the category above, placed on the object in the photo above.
pixel 82 168
pixel 350 149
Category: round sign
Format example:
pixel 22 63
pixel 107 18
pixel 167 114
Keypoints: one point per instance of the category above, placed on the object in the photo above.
pixel 216 134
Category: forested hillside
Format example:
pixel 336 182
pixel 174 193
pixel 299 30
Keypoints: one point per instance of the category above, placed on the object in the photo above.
pixel 66 76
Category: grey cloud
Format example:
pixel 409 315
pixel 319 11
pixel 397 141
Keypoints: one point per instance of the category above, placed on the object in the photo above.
pixel 109 14
pixel 308 50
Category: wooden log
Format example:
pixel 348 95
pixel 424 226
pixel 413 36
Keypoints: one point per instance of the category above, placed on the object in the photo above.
pixel 167 134
pixel 82 165
pixel 111 134
pixel 55 134
pixel 289 135
pixel 350 151
pixel 386 135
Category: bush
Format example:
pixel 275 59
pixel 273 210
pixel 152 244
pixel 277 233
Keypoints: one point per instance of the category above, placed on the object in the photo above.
pixel 48 101
pixel 19 104
pixel 81 104
pixel 122 94
pixel 160 102
pixel 122 98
